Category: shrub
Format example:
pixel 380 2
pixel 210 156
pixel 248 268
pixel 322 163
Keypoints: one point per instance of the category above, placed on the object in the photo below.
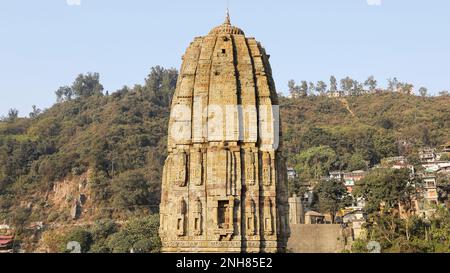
pixel 81 236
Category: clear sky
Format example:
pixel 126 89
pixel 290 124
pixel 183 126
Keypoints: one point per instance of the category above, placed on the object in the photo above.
pixel 45 44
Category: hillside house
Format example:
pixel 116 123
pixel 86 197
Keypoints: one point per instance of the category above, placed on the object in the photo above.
pixel 351 178
pixel 6 243
pixel 446 147
pixel 430 194
pixel 291 173
pixel 427 155
pixel 444 168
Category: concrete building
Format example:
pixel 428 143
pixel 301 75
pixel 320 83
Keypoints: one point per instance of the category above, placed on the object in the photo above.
pixel 424 204
pixel 427 155
pixel 436 166
pixel 338 175
pixel 314 218
pixel 348 178
pixel 351 178
pixel 446 147
pixel 444 168
pixel 291 173
pixel 6 243
pixel 430 194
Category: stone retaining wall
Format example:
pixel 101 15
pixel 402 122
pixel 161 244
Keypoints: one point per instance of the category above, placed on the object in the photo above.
pixel 316 239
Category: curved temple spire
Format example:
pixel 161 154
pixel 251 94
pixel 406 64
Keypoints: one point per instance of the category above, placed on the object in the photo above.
pixel 224 187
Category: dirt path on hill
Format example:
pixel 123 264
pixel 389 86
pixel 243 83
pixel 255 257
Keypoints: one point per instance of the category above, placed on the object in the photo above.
pixel 347 106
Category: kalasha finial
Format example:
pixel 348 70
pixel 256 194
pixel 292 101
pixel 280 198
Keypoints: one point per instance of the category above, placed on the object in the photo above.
pixel 227 19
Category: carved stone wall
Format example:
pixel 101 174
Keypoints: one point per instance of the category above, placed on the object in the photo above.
pixel 224 185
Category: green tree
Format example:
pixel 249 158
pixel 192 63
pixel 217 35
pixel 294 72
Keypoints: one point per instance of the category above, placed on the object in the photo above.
pixel 443 187
pixel 424 134
pixel 315 162
pixel 304 88
pixel 311 88
pixel 101 231
pixel 423 91
pixel 298 186
pixel 81 236
pixel 347 85
pixel 390 187
pixel 19 219
pixel 160 84
pixel 321 88
pixel 386 190
pixel 333 84
pixel 412 235
pixel 87 85
pixel 357 89
pixel 414 160
pixel 386 123
pixel 371 83
pixel 405 88
pixel 298 91
pixel 332 196
pixel 139 235
pixel 445 157
pixel 64 93
pixel 293 89
pixel 393 84
pixel 35 112
pixel 13 114
pixel 103 228
pixel 357 162
pixel 384 144
pixel 130 190
pixel 100 185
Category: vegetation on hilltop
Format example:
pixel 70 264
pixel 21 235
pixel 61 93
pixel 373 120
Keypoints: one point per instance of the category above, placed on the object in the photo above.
pixel 390 196
pixel 119 139
pixel 380 125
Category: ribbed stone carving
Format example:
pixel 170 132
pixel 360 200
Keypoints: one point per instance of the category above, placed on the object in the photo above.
pixel 224 188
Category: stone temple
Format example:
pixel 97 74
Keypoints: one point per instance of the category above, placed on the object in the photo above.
pixel 224 181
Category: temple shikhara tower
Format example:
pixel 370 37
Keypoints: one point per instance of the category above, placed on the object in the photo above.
pixel 224 181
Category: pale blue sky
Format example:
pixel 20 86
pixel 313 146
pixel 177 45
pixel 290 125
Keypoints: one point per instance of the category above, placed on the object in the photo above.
pixel 44 44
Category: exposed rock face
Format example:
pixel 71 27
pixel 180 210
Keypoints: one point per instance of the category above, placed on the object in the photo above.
pixel 224 181
pixel 75 210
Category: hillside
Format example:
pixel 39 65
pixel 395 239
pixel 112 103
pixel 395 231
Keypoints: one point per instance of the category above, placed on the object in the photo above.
pixel 373 125
pixel 94 156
